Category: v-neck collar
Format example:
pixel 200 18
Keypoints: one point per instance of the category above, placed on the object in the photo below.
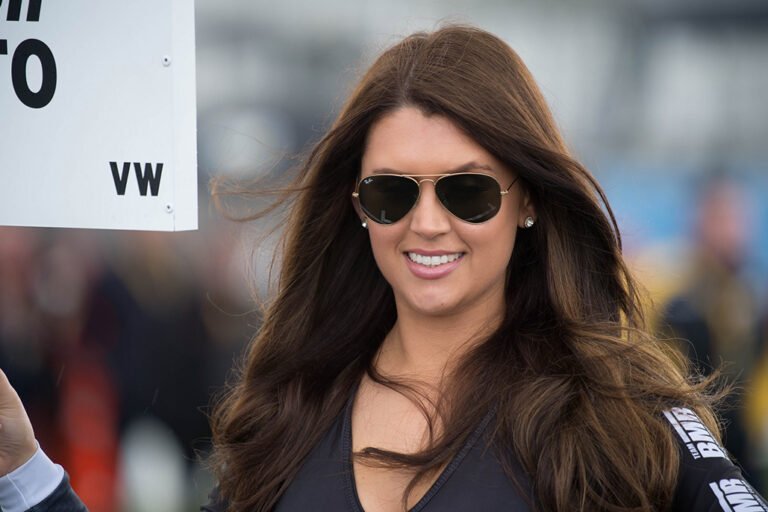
pixel 353 499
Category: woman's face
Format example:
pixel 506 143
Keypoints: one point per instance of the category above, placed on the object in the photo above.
pixel 408 142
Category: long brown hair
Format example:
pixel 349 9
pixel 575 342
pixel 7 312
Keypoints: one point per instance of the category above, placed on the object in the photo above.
pixel 578 384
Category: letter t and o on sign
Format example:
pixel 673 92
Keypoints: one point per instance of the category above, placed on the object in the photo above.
pixel 21 55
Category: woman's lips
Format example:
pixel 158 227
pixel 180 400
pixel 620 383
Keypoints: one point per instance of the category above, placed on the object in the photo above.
pixel 423 271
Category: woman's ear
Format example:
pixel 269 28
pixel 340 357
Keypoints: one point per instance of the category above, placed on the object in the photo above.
pixel 356 206
pixel 527 211
pixel 360 215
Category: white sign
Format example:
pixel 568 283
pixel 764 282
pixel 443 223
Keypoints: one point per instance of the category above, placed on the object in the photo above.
pixel 98 114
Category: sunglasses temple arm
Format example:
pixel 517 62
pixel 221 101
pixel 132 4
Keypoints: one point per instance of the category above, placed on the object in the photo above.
pixel 510 185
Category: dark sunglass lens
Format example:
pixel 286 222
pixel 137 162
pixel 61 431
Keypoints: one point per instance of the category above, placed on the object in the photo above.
pixel 470 197
pixel 387 199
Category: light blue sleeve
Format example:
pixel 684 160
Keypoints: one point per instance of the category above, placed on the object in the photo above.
pixel 29 484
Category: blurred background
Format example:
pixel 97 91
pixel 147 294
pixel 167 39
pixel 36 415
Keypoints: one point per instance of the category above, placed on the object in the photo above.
pixel 116 340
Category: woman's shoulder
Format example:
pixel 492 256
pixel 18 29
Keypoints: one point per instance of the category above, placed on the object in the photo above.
pixel 708 478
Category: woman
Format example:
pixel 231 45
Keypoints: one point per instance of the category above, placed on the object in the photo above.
pixel 454 327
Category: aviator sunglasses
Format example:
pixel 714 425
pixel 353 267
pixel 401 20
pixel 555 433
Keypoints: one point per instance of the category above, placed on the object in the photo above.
pixel 472 197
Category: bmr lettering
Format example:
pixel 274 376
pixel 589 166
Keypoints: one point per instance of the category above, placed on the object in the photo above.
pixel 694 434
pixel 735 495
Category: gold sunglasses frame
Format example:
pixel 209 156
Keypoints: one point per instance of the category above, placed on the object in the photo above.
pixel 420 178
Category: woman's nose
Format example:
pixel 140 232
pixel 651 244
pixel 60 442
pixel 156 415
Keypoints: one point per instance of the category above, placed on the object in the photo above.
pixel 429 219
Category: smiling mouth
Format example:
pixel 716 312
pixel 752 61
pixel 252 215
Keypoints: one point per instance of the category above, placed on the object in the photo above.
pixel 434 261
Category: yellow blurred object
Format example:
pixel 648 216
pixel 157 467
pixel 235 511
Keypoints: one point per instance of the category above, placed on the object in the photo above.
pixel 756 409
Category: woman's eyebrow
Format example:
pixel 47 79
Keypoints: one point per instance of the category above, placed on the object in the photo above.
pixel 469 166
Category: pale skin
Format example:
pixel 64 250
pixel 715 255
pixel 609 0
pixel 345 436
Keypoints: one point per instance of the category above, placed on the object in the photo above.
pixel 438 319
pixel 17 438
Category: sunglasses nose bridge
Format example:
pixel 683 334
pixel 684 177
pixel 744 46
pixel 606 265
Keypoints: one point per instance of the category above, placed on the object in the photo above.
pixel 429 218
pixel 419 181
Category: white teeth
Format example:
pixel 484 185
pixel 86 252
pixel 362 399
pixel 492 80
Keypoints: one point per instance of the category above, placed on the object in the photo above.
pixel 433 261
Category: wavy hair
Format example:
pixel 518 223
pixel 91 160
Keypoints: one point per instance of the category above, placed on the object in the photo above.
pixel 578 382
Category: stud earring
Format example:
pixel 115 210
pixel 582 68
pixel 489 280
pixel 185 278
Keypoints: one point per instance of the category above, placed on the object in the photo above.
pixel 528 222
pixel 364 223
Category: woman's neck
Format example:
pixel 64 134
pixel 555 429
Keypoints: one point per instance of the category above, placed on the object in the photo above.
pixel 428 347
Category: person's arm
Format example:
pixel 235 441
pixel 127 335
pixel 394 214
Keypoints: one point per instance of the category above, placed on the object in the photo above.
pixel 708 480
pixel 29 480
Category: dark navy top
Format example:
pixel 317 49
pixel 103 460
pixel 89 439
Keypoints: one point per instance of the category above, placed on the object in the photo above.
pixel 473 480
pixel 708 481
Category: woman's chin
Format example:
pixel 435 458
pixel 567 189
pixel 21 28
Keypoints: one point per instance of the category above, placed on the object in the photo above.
pixel 430 306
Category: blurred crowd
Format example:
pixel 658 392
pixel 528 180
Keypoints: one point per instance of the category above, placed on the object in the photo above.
pixel 714 316
pixel 115 343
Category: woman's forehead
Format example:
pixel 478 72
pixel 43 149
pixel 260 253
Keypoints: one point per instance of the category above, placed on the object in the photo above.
pixel 407 141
